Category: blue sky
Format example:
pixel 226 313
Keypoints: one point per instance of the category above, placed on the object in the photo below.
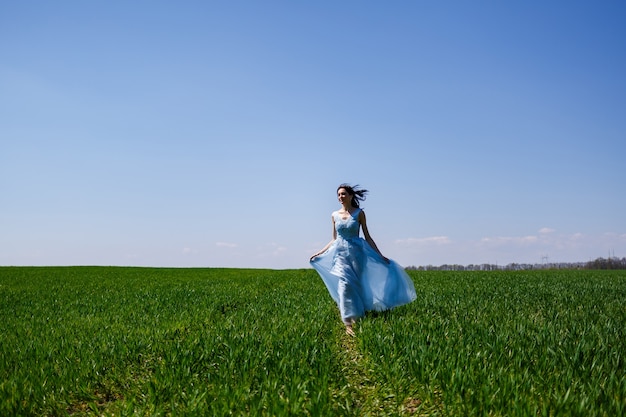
pixel 195 133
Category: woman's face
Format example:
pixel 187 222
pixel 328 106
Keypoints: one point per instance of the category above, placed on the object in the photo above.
pixel 343 196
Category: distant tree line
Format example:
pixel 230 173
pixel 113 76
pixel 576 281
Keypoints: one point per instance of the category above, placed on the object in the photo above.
pixel 608 263
pixel 600 263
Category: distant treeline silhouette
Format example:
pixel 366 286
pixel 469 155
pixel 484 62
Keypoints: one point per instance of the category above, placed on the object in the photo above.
pixel 600 263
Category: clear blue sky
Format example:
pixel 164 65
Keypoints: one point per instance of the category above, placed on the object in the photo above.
pixel 195 133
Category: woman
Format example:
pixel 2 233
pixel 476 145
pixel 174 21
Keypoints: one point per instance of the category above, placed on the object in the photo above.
pixel 358 277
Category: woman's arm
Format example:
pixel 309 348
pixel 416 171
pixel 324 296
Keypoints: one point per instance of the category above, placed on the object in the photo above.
pixel 329 243
pixel 366 235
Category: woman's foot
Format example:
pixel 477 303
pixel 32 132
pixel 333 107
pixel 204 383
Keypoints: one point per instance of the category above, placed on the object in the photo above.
pixel 350 330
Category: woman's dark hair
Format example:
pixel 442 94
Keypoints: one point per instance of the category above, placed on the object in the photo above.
pixel 357 193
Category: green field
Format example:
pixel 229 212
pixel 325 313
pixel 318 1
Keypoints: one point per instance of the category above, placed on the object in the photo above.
pixel 143 341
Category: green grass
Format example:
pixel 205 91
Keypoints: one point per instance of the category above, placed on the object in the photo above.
pixel 144 341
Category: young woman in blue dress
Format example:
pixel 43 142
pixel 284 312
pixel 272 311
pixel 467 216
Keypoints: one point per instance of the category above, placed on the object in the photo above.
pixel 357 275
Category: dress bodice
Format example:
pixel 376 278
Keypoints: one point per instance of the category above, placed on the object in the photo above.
pixel 348 228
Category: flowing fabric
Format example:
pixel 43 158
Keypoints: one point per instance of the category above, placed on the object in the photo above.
pixel 357 277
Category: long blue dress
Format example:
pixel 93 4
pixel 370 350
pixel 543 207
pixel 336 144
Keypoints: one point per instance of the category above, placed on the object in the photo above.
pixel 356 276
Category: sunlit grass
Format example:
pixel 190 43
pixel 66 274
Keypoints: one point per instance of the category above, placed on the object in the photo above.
pixel 502 343
pixel 142 341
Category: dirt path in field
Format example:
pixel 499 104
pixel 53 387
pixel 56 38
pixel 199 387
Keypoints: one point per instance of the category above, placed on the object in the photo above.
pixel 369 397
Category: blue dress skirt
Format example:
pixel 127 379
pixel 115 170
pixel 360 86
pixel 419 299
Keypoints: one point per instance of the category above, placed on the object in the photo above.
pixel 356 276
